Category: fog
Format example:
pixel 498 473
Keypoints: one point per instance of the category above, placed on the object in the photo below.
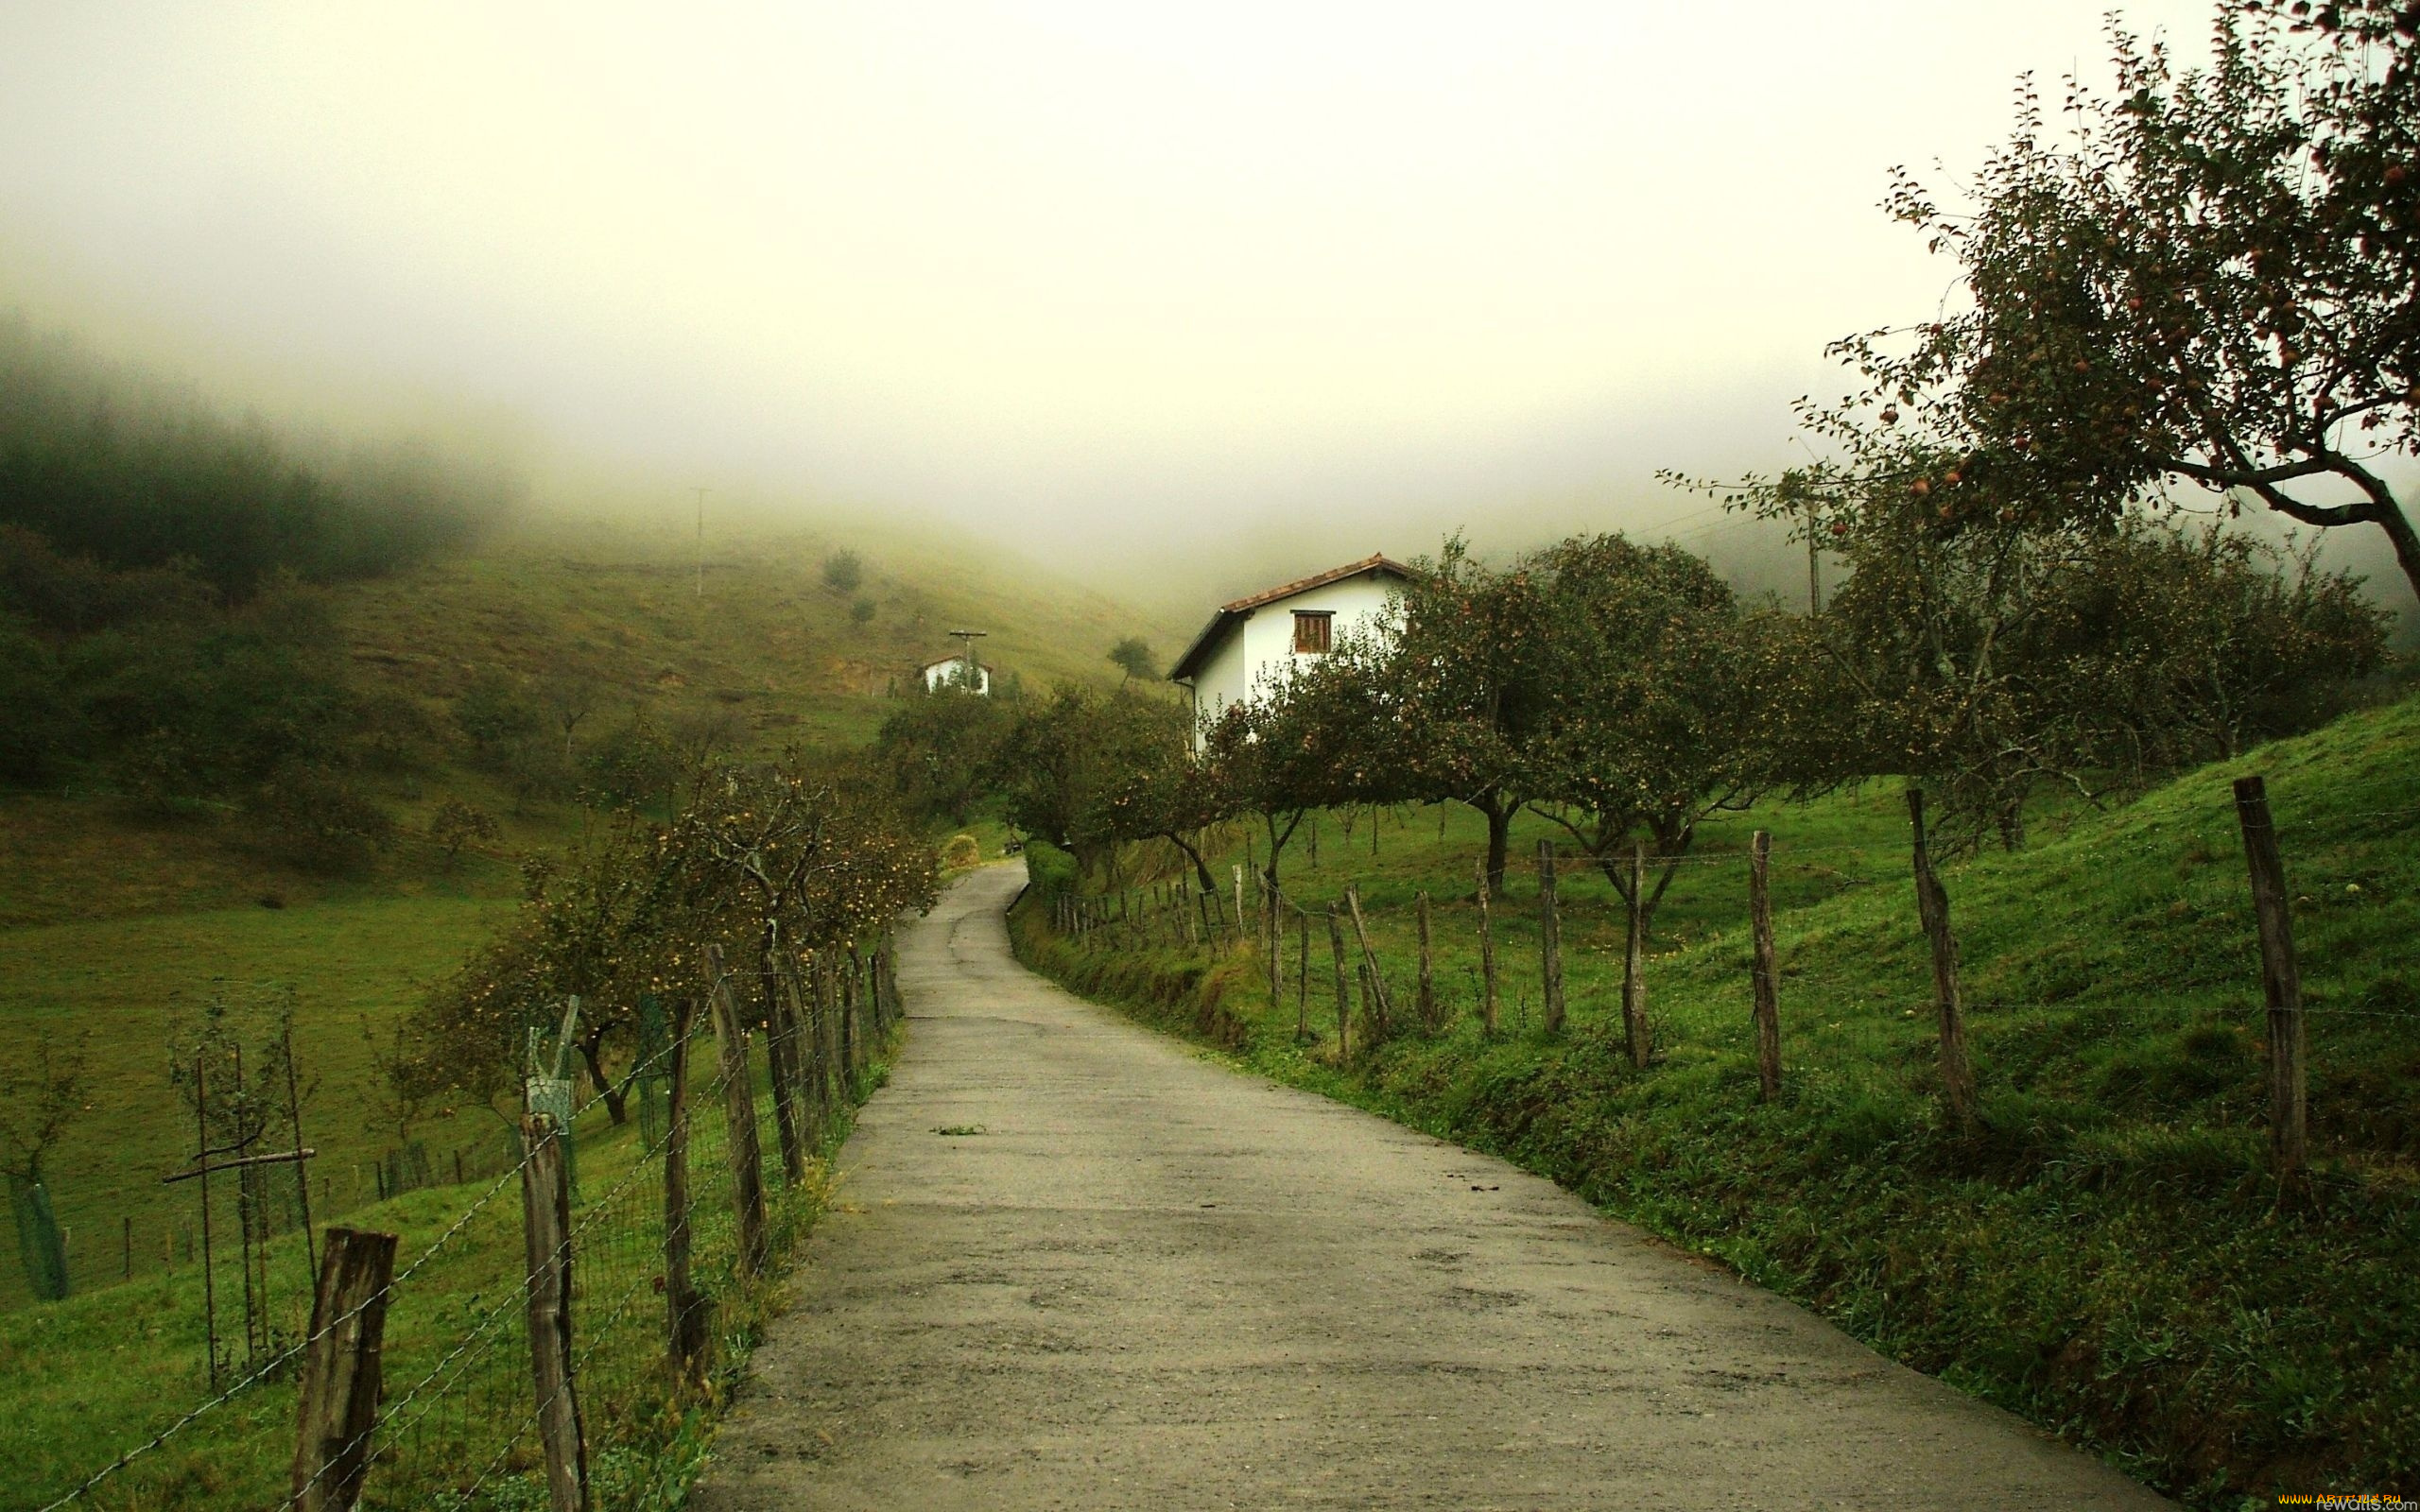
pixel 1177 298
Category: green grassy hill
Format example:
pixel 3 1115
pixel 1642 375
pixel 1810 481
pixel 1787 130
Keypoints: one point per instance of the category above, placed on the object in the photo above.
pixel 2106 1255
pixel 111 925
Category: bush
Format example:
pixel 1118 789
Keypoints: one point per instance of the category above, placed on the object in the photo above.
pixel 38 721
pixel 843 571
pixel 312 816
pixel 457 824
pixel 962 851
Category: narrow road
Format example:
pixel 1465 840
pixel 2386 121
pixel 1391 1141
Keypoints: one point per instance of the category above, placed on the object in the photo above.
pixel 1148 1282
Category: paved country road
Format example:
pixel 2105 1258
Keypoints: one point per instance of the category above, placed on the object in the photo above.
pixel 1152 1282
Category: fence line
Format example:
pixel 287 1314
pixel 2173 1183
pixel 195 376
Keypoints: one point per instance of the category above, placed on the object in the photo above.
pixel 1083 917
pixel 465 1424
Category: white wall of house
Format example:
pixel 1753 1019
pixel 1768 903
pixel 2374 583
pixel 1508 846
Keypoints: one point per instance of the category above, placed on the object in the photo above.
pixel 954 670
pixel 1261 650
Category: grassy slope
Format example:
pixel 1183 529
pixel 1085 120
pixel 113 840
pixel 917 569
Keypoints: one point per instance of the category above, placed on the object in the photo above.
pixel 2106 1256
pixel 111 928
pixel 84 1380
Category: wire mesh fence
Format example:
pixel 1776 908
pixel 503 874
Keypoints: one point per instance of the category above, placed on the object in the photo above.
pixel 671 1201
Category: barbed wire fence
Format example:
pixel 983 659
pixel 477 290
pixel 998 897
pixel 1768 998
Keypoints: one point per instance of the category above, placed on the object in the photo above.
pixel 559 1337
pixel 1348 996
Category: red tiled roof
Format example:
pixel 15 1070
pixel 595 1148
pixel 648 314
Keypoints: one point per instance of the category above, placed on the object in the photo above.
pixel 1232 614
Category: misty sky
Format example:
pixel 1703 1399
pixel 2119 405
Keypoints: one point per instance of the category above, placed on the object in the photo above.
pixel 1279 281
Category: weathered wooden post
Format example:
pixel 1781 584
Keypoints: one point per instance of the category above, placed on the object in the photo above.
pixel 545 1210
pixel 1768 987
pixel 1382 1020
pixel 1424 994
pixel 1239 907
pixel 1272 938
pixel 1344 1007
pixel 1932 908
pixel 1549 943
pixel 684 1312
pixel 340 1365
pixel 1634 962
pixel 2281 985
pixel 739 1113
pixel 789 1129
pixel 1486 958
pixel 1301 976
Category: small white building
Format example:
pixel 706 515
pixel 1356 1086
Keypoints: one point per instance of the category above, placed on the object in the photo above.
pixel 952 669
pixel 1252 644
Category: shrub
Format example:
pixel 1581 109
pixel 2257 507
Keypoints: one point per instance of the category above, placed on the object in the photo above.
pixel 310 815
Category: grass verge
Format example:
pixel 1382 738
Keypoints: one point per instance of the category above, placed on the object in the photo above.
pixel 2106 1255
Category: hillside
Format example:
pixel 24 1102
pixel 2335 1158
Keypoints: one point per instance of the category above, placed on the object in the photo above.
pixel 2106 1255
pixel 113 922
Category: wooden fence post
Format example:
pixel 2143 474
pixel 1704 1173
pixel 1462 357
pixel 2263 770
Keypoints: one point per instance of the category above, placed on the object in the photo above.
pixel 1382 1024
pixel 339 1397
pixel 546 1211
pixel 739 1113
pixel 780 1049
pixel 1239 905
pixel 1550 942
pixel 1768 988
pixel 1634 962
pixel 1932 906
pixel 1273 936
pixel 2281 985
pixel 1343 1007
pixel 1424 994
pixel 1486 958
pixel 685 1313
pixel 1301 976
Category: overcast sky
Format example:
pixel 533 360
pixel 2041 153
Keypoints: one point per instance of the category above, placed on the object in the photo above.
pixel 1233 283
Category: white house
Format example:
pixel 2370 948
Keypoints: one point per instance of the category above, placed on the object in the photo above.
pixel 953 669
pixel 1252 643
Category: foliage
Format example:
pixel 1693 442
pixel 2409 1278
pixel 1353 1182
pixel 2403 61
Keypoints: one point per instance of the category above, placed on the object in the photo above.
pixel 769 861
pixel 862 612
pixel 511 733
pixel 2209 279
pixel 39 1095
pixel 843 571
pixel 1077 768
pixel 1617 687
pixel 1162 793
pixel 1324 732
pixel 1991 659
pixel 122 470
pixel 457 824
pixel 939 747
pixel 1466 690
pixel 1658 701
pixel 1132 656
pixel 633 762
pixel 313 816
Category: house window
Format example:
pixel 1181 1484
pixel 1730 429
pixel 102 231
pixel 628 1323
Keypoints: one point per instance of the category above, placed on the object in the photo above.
pixel 1311 630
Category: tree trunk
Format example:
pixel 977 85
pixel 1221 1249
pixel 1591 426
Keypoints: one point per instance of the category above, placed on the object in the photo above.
pixel 617 1102
pixel 1499 839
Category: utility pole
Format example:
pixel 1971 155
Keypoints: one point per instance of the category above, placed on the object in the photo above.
pixel 702 541
pixel 971 679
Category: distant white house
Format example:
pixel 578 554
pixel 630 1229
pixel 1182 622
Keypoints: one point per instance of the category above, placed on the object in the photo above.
pixel 1251 643
pixel 953 669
